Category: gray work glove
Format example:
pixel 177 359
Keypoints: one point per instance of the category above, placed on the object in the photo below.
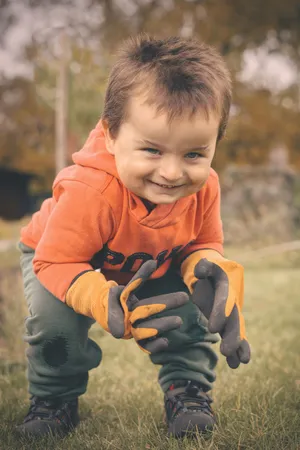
pixel 145 329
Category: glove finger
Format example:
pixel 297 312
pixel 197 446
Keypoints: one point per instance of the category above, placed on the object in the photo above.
pixel 218 317
pixel 132 302
pixel 233 361
pixel 139 278
pixel 230 334
pixel 204 269
pixel 242 355
pixel 115 319
pixel 229 290
pixel 153 327
pixel 203 296
pixel 155 345
pixel 244 352
pixel 145 271
pixel 172 300
pixel 154 305
pixel 208 270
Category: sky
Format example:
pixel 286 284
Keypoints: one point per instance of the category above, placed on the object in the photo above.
pixel 264 70
pixel 275 71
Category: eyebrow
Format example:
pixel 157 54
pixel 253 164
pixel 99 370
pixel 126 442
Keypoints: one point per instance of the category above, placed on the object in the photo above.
pixel 155 144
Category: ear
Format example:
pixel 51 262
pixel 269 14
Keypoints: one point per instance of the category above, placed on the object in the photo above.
pixel 109 141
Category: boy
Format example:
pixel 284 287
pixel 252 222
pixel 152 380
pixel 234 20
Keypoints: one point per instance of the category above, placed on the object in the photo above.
pixel 142 204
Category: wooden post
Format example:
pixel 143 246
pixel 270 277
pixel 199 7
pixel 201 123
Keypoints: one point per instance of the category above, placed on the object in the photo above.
pixel 61 107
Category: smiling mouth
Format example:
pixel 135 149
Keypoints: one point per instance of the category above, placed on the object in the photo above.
pixel 167 186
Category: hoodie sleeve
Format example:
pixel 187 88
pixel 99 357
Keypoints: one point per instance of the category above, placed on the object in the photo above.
pixel 79 225
pixel 210 235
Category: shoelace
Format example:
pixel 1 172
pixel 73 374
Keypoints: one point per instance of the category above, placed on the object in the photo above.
pixel 40 410
pixel 190 398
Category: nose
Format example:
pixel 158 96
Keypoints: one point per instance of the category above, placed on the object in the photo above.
pixel 170 170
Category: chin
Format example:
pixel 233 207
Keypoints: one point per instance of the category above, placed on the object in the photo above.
pixel 163 201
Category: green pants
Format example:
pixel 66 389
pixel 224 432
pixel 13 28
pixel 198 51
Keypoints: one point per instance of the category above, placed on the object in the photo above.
pixel 60 353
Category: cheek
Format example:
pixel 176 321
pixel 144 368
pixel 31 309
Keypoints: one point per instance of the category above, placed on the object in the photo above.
pixel 133 169
pixel 140 168
pixel 199 175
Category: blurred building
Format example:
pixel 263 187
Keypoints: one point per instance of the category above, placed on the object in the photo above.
pixel 15 199
pixel 261 203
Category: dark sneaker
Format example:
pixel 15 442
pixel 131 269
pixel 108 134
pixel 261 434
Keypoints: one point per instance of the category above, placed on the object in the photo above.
pixel 188 409
pixel 46 417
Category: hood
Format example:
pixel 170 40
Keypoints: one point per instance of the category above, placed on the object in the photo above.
pixel 94 153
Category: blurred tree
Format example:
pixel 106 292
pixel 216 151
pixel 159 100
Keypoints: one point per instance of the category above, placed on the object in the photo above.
pixel 87 80
pixel 26 139
pixel 260 122
pixel 229 24
pixel 88 76
pixel 28 111
pixel 261 117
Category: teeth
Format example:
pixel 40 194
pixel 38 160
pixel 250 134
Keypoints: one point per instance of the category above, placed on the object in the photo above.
pixel 165 185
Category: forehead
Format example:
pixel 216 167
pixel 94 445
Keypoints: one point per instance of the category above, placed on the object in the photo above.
pixel 146 123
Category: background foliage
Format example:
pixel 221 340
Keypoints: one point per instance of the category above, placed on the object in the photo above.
pixel 265 112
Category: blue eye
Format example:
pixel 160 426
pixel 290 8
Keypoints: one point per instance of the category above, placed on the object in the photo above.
pixel 153 151
pixel 193 155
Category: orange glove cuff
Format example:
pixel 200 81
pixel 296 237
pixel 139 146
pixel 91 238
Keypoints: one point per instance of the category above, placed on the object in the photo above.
pixel 88 295
pixel 188 265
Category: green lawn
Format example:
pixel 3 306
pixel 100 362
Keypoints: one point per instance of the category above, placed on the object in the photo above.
pixel 258 405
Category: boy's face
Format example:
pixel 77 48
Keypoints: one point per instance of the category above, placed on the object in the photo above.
pixel 160 161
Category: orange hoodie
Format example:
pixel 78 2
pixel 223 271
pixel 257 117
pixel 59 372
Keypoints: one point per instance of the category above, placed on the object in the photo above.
pixel 92 221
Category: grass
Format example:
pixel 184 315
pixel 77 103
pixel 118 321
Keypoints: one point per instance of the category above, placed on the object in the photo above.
pixel 258 405
pixel 10 233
